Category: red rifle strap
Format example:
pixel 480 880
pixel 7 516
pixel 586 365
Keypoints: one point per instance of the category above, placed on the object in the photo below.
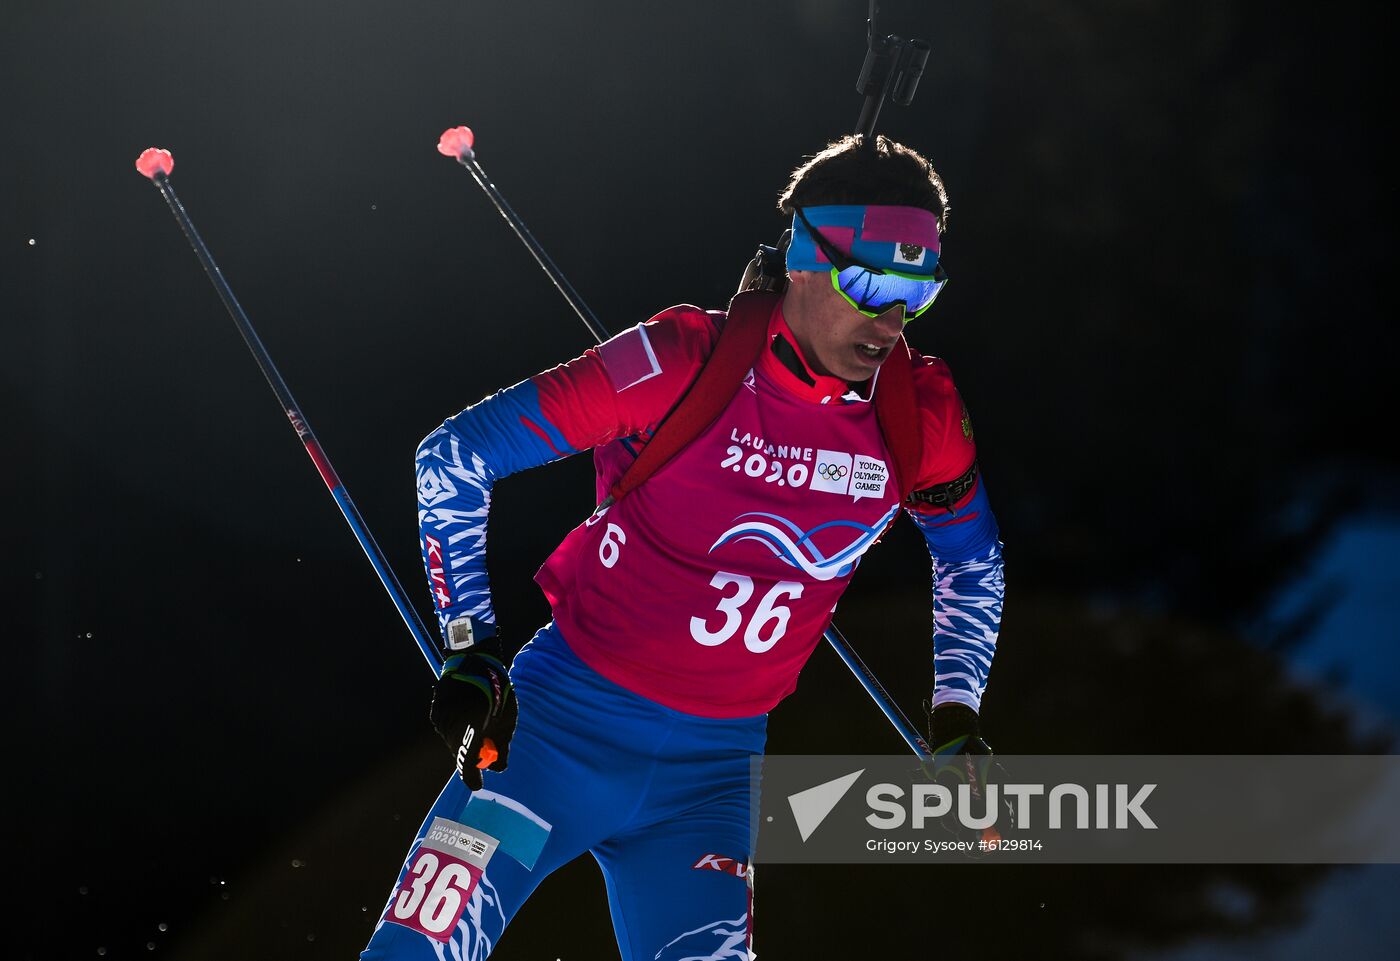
pixel 741 343
pixel 897 409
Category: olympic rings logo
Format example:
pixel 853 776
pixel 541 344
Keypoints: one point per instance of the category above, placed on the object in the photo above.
pixel 831 471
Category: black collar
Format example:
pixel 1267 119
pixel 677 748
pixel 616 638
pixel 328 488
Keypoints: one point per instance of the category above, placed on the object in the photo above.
pixel 788 356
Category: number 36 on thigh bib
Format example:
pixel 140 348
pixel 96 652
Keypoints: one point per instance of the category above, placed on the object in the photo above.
pixel 440 879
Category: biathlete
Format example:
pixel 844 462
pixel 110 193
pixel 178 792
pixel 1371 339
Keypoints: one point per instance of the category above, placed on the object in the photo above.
pixel 685 608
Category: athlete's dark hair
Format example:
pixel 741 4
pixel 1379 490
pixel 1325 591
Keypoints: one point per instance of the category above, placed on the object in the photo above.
pixel 845 172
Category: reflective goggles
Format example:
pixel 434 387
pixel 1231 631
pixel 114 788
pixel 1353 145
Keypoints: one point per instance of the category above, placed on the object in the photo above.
pixel 874 290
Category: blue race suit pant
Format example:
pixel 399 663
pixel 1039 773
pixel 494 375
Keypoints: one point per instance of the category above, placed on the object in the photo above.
pixel 660 798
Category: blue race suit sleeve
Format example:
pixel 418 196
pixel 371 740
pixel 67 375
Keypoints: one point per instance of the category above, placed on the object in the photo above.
pixel 457 464
pixel 593 399
pixel 968 589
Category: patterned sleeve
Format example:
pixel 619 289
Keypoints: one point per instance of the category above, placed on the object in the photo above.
pixel 620 389
pixel 963 542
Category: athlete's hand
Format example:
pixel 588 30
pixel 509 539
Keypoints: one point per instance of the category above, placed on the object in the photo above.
pixel 473 702
pixel 954 730
pixel 961 756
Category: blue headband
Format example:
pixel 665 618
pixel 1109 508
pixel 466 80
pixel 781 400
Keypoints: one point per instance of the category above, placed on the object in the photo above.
pixel 903 239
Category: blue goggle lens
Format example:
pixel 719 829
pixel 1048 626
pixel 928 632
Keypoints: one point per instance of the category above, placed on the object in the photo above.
pixel 876 293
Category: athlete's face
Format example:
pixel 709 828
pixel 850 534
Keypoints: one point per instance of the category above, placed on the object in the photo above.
pixel 835 338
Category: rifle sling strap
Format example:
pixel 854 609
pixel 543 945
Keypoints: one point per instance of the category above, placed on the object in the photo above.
pixel 741 343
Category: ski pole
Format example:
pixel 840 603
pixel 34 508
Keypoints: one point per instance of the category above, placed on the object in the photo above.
pixel 458 143
pixel 156 165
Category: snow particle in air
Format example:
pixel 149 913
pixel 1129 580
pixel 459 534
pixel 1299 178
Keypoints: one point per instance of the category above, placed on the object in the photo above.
pixel 297 862
pixel 162 927
pixel 31 241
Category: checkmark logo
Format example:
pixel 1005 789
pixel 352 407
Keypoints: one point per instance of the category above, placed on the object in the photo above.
pixel 810 807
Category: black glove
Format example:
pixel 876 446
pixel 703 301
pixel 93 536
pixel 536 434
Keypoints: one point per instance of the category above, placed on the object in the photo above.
pixel 960 756
pixel 954 730
pixel 473 702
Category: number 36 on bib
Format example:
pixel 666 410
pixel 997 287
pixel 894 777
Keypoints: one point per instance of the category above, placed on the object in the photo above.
pixel 440 879
pixel 768 616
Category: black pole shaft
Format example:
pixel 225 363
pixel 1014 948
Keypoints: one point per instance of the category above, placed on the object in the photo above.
pixel 299 424
pixel 556 275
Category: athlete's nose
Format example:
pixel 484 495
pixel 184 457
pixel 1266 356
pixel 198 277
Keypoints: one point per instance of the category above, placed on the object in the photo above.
pixel 891 322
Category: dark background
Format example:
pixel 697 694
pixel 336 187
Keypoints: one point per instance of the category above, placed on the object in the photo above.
pixel 1170 315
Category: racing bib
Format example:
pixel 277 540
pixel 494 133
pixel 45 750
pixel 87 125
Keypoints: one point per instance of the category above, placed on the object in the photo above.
pixel 441 877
